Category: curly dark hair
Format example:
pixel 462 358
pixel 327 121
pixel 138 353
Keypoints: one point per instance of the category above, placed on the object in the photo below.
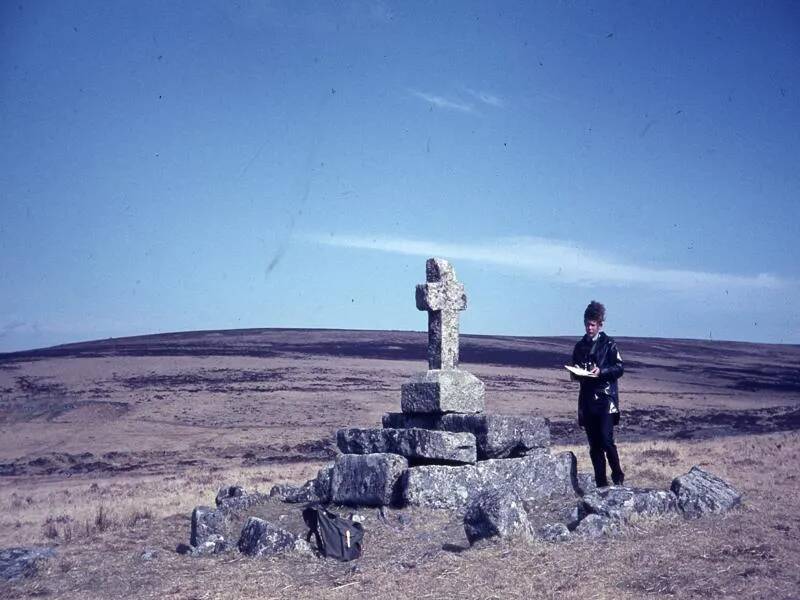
pixel 595 312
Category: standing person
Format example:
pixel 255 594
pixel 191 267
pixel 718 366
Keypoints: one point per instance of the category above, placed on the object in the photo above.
pixel 598 400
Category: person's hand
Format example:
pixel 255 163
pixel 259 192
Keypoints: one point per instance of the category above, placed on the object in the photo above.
pixel 595 371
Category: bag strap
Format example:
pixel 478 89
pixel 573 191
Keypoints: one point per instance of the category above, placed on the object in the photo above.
pixel 311 517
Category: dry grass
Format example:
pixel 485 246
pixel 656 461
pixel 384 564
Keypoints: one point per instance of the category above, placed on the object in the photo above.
pixel 63 509
pixel 101 530
pixel 161 421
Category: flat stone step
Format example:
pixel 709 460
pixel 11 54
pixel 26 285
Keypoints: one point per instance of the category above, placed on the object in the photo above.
pixel 497 436
pixel 368 479
pixel 414 444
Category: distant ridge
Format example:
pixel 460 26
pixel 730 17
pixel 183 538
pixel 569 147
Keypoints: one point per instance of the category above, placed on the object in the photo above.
pixel 767 364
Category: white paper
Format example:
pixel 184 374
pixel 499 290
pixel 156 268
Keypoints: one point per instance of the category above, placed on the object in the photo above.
pixel 579 372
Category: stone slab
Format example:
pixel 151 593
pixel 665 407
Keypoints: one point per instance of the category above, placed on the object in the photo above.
pixel 234 497
pixel 207 522
pixel 497 436
pixel 368 479
pixel 596 526
pixel 443 391
pixel 262 538
pixel 553 532
pixel 700 492
pixel 394 420
pixel 540 475
pixel 414 444
pixel 624 503
pixel 313 490
pixel 497 513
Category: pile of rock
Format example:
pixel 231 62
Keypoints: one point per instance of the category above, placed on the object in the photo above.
pixel 443 448
pixel 219 529
pixel 442 451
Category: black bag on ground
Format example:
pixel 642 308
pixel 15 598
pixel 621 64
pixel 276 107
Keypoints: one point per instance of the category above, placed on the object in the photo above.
pixel 336 537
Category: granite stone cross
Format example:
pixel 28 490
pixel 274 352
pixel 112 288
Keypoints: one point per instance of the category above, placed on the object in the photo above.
pixel 442 296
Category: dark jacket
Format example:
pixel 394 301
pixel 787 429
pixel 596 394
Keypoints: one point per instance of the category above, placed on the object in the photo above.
pixel 598 395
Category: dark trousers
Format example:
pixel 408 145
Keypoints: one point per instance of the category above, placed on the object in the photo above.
pixel 600 431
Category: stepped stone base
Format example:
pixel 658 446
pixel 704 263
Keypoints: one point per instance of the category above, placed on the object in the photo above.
pixel 367 479
pixel 497 436
pixel 534 477
pixel 443 391
pixel 415 444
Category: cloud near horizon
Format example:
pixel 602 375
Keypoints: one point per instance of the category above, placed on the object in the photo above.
pixel 558 260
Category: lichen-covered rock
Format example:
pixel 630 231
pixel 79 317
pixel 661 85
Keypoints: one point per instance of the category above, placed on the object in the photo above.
pixel 368 479
pixel 287 492
pixel 699 492
pixel 303 548
pixel 596 526
pixel 206 522
pixel 624 503
pixel 553 532
pixel 234 497
pixel 501 436
pixel 540 475
pixel 313 490
pixel 566 471
pixel 228 492
pixel 586 483
pixel 16 563
pixel 572 516
pixel 497 436
pixel 443 391
pixel 438 486
pixel 213 544
pixel 322 483
pixel 261 538
pixel 497 513
pixel 395 420
pixel 415 444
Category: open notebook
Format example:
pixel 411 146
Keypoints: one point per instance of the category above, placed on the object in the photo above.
pixel 579 372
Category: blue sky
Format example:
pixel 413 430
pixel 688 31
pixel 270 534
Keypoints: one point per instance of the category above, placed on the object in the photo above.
pixel 169 166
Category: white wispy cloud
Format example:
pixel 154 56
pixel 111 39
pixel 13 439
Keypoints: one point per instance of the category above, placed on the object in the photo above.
pixel 558 260
pixel 486 98
pixel 442 102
